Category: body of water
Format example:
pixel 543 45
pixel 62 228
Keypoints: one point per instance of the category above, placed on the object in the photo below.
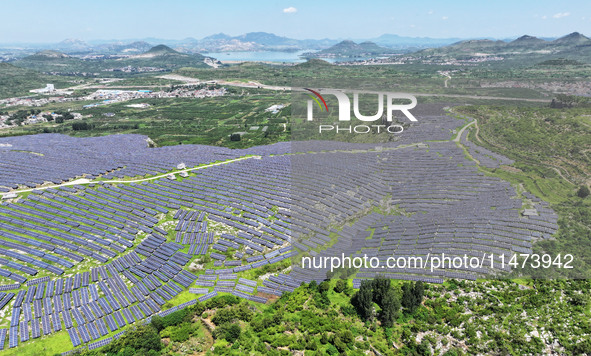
pixel 272 56
pixel 259 56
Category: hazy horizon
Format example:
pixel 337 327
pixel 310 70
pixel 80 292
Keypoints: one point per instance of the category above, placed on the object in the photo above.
pixel 49 22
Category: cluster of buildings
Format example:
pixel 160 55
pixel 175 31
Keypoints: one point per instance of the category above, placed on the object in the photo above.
pixel 131 69
pixel 41 117
pixel 436 60
pixel 108 96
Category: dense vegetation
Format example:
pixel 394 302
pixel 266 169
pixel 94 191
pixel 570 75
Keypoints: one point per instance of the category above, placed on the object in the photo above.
pixel 174 121
pixel 456 318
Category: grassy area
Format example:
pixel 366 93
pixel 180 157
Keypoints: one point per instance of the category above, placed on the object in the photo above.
pixel 15 81
pixel 47 345
pixel 550 148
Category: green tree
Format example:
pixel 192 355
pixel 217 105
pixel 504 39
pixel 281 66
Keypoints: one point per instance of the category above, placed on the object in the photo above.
pixel 390 308
pixel 157 323
pixel 233 333
pixel 340 286
pixel 583 191
pixel 363 300
pixel 381 286
pixel 407 297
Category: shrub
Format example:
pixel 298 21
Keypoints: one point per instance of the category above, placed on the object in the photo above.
pixel 583 191
pixel 340 286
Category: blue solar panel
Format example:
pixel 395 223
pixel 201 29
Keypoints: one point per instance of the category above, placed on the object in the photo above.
pixel 35 328
pixel 101 343
pixel 119 318
pixel 2 338
pixel 83 333
pixel 129 316
pixel 67 319
pixel 13 337
pixel 87 313
pixel 16 312
pixel 93 330
pixel 102 328
pixel 57 324
pixel 24 331
pixel 74 337
pixel 78 317
pixel 111 323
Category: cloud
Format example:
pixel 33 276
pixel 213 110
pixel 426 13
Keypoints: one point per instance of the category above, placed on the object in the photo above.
pixel 290 10
pixel 561 15
pixel 430 12
pixel 444 18
pixel 544 17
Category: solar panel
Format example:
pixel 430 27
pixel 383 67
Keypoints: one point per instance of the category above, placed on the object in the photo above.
pixel 101 343
pixel 13 337
pixel 46 325
pixel 102 328
pixel 95 309
pixel 83 331
pixel 16 312
pixel 111 323
pixel 67 319
pixel 78 317
pixel 35 328
pixel 87 312
pixel 93 330
pixel 74 338
pixel 129 316
pixel 57 324
pixel 119 318
pixel 24 331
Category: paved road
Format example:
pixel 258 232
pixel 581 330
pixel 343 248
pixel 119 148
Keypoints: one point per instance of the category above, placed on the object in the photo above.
pixel 461 132
pixel 254 84
pixel 86 181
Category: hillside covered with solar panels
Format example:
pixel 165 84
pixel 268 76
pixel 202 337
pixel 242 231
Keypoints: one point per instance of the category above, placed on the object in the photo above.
pixel 97 234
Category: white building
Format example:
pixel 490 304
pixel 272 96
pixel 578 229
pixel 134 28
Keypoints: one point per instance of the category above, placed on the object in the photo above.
pixel 49 88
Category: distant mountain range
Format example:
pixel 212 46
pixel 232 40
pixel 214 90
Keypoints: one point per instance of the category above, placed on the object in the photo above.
pixel 571 46
pixel 574 46
pixel 158 58
pixel 252 41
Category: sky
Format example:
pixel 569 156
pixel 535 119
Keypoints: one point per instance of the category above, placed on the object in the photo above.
pixel 42 21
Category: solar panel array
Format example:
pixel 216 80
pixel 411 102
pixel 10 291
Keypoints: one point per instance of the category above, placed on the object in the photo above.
pixel 244 215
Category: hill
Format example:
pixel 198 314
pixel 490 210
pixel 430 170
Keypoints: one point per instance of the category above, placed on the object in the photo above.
pixel 52 61
pixel 350 49
pixel 15 81
pixel 527 40
pixel 313 63
pixel 521 51
pixel 158 58
pixel 160 50
pixel 573 39
pixel 165 57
